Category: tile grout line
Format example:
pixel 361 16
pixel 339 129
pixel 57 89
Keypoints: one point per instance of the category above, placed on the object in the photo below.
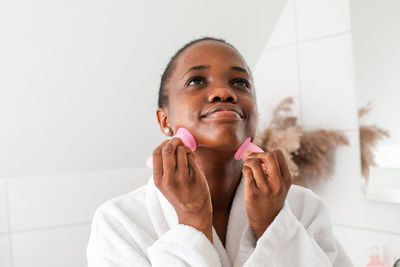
pixel 296 42
pixel 51 227
pixel 365 229
pixel 9 223
pixel 78 173
pixel 328 36
pixel 276 47
pixel 296 35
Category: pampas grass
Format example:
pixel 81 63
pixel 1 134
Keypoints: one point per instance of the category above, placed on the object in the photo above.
pixel 369 137
pixel 308 153
pixel 314 158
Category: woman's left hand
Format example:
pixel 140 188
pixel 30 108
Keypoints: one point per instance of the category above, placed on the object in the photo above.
pixel 265 191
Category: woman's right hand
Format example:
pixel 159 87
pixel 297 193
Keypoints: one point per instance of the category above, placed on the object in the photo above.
pixel 183 184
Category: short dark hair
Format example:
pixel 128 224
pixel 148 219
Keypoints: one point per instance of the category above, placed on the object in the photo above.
pixel 162 94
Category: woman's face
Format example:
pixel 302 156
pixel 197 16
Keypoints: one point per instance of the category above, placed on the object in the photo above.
pixel 211 75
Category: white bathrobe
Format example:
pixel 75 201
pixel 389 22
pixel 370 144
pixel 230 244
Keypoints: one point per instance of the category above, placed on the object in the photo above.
pixel 141 229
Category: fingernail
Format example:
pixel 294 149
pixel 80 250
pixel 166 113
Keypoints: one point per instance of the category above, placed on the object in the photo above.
pixel 248 153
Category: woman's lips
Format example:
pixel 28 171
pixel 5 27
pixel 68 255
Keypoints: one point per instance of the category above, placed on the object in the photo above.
pixel 223 114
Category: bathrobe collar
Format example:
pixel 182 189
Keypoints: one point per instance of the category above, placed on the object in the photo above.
pixel 240 239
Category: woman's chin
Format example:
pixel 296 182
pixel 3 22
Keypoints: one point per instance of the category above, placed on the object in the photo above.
pixel 221 138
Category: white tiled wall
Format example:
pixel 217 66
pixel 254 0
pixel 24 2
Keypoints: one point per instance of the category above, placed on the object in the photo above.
pixel 5 250
pixel 45 220
pixel 3 207
pixel 310 58
pixel 61 247
pixel 50 215
pixel 326 83
pixel 276 63
pixel 47 201
pixel 319 18
pixel 284 30
pixel 358 241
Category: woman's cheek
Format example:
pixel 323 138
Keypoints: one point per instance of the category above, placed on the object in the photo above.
pixel 186 118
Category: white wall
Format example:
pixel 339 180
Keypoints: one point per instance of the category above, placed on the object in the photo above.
pixel 310 57
pixel 376 29
pixel 78 93
pixel 80 79
pixel 45 220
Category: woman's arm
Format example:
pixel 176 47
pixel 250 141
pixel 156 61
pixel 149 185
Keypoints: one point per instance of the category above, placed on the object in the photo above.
pixel 282 240
pixel 287 242
pixel 118 241
pixel 113 243
pixel 183 245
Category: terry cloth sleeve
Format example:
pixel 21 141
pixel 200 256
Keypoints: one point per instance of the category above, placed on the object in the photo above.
pixel 115 243
pixel 183 245
pixel 288 242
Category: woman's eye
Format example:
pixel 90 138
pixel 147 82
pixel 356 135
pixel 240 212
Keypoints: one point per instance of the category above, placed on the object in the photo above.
pixel 241 82
pixel 195 80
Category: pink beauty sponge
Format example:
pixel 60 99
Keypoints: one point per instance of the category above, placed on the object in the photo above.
pixel 186 137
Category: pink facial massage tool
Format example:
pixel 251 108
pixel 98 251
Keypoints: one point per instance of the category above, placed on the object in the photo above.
pixel 248 146
pixel 188 140
pixel 186 137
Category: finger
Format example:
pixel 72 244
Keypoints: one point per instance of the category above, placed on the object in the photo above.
pixel 266 157
pixel 250 183
pixel 273 171
pixel 284 168
pixel 157 163
pixel 276 178
pixel 182 161
pixel 193 168
pixel 260 155
pixel 260 178
pixel 168 156
pixel 187 149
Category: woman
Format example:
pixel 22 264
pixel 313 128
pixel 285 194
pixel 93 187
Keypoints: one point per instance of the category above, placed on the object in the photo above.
pixel 204 208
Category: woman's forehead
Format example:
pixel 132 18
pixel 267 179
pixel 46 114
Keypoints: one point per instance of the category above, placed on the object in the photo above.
pixel 209 53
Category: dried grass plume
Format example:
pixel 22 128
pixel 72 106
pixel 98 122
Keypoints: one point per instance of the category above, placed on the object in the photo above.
pixel 308 153
pixel 369 137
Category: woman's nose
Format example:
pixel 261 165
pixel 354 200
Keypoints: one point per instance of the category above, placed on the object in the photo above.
pixel 223 94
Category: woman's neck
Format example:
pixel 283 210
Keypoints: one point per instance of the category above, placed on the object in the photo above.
pixel 223 175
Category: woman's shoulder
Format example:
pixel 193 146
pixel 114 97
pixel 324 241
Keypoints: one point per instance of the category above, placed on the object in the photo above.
pixel 128 202
pixel 122 223
pixel 136 194
pixel 128 209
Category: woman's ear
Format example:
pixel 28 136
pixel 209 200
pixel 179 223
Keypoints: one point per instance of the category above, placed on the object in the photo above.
pixel 162 118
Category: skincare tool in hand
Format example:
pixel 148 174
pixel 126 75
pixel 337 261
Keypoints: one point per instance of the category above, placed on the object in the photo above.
pixel 186 137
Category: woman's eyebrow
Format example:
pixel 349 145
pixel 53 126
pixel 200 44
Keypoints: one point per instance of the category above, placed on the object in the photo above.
pixel 237 68
pixel 200 67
